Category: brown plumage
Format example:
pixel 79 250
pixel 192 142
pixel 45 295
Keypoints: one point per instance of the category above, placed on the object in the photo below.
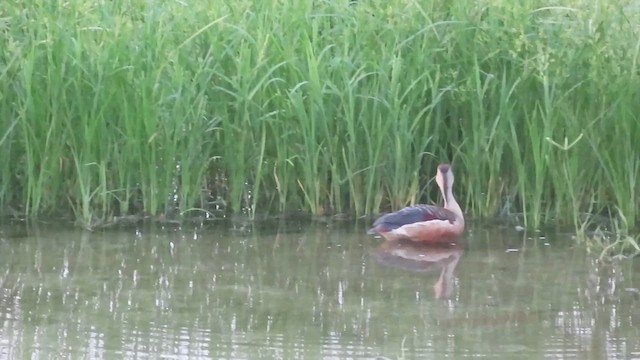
pixel 425 223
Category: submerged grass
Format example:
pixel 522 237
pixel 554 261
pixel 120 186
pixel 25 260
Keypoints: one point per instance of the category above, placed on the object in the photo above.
pixel 162 108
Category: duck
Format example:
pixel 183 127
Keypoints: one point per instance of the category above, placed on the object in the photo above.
pixel 425 223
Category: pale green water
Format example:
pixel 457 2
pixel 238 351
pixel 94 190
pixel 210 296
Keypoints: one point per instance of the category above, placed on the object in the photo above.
pixel 314 293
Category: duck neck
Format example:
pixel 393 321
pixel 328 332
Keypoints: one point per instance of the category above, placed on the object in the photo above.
pixel 450 202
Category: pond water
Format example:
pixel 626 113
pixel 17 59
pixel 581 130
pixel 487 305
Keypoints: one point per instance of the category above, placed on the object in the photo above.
pixel 312 291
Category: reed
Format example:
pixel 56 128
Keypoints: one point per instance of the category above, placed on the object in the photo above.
pixel 163 108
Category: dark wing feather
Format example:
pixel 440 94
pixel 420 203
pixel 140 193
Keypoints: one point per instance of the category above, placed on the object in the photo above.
pixel 410 215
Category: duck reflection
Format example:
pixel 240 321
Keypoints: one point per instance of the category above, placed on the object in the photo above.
pixel 420 257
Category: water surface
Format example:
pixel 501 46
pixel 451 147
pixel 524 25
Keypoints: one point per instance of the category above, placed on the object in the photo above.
pixel 309 292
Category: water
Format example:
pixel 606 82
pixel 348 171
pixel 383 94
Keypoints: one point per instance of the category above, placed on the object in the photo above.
pixel 309 292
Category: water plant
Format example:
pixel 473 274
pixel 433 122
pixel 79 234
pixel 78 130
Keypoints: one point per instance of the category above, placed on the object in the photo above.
pixel 160 108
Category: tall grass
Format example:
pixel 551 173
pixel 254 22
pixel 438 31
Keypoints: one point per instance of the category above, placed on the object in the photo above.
pixel 165 108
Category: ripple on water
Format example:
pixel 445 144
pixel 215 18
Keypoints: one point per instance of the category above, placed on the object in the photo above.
pixel 153 293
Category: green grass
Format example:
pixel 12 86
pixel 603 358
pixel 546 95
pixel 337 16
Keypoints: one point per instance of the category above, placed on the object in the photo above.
pixel 171 108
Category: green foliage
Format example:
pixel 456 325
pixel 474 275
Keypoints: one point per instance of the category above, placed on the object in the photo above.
pixel 160 108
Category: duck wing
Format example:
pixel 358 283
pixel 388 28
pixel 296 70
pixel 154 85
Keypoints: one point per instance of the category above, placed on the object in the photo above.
pixel 411 215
